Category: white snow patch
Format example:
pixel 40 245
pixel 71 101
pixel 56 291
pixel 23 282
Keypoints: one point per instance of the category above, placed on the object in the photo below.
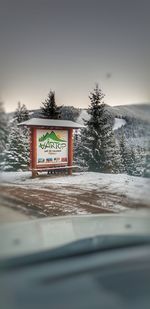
pixel 83 116
pixel 119 122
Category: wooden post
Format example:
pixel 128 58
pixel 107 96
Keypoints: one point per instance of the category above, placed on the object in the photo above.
pixel 31 133
pixel 70 150
pixel 33 152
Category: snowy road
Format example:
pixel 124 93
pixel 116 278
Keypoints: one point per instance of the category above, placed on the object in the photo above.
pixel 86 193
pixel 50 202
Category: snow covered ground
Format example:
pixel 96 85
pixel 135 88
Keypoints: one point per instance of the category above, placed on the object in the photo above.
pixel 134 188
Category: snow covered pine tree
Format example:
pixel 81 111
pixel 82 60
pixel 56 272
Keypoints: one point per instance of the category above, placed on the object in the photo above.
pixel 21 113
pixel 136 166
pixel 125 155
pixel 16 154
pixel 50 109
pixel 98 148
pixel 17 150
pixel 147 164
pixel 131 158
pixel 3 133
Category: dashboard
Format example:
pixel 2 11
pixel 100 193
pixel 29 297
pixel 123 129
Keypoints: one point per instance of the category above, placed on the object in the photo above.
pixel 111 279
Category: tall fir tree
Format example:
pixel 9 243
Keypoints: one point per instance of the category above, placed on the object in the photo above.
pixel 21 113
pixel 3 127
pixel 3 132
pixel 139 159
pixel 125 155
pixel 16 154
pixel 78 157
pixel 142 158
pixel 132 159
pixel 132 162
pixel 49 108
pixel 146 172
pixel 98 147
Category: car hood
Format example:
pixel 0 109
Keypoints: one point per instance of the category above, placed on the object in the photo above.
pixel 42 234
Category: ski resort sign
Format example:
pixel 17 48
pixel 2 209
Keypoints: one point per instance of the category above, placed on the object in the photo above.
pixel 52 147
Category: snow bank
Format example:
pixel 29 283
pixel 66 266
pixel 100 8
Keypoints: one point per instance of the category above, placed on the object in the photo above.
pixel 136 188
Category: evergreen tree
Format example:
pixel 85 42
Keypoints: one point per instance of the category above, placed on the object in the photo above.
pixel 146 172
pixel 117 163
pixel 16 154
pixel 21 113
pixel 69 113
pixel 139 161
pixel 125 155
pixel 3 132
pixel 98 148
pixel 132 159
pixel 132 163
pixel 3 128
pixel 50 109
pixel 78 149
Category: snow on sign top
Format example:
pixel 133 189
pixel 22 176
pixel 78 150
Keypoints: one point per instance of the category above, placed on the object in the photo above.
pixel 38 122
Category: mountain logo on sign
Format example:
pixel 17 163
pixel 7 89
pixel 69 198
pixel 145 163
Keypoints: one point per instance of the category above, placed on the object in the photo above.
pixel 53 136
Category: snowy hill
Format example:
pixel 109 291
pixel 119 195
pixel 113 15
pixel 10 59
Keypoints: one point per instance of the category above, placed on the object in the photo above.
pixel 133 119
pixel 138 111
pixel 118 122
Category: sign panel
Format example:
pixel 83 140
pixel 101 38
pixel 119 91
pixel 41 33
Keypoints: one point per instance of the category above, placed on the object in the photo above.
pixel 52 147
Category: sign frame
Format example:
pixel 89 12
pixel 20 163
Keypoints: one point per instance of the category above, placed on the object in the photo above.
pixel 34 166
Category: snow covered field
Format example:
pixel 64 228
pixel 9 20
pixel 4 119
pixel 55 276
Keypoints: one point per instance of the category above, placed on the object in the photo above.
pixel 81 193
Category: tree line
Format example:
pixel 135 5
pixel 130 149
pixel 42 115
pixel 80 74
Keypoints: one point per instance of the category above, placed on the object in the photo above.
pixel 95 147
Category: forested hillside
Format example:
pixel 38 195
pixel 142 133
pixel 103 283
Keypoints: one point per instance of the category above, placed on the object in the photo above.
pixel 131 127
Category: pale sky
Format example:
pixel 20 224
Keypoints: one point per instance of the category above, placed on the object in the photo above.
pixel 69 45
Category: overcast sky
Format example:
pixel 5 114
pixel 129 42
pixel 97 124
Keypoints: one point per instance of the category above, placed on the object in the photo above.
pixel 68 46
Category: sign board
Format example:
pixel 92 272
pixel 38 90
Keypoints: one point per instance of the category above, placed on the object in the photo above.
pixel 52 147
